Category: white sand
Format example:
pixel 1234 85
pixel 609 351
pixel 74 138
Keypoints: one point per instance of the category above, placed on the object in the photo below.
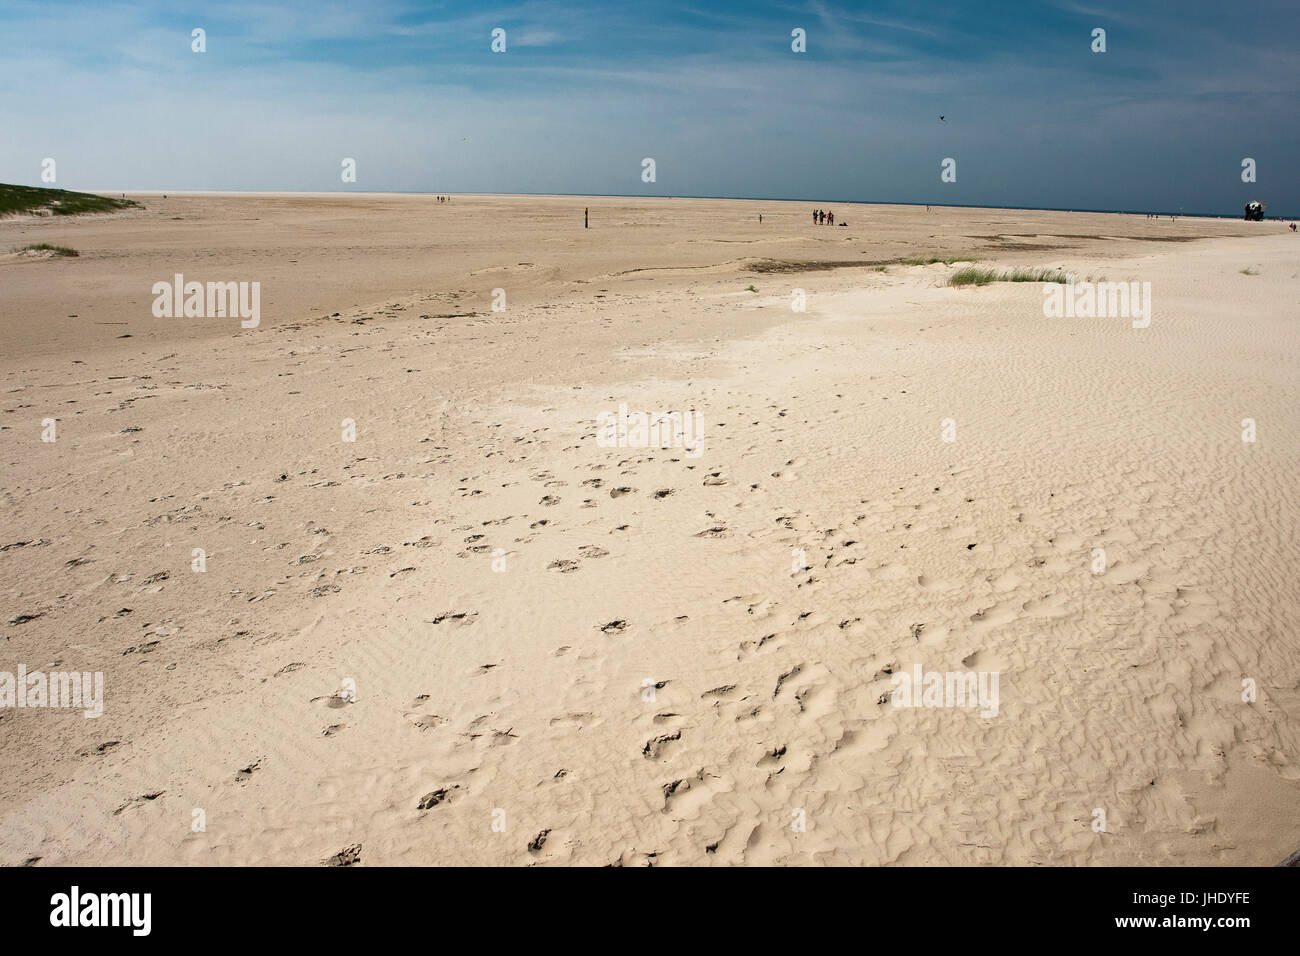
pixel 514 690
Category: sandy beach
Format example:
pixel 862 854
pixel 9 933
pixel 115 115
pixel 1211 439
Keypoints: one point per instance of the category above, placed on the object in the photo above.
pixel 370 582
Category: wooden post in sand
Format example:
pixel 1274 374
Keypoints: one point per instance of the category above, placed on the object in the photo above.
pixel 585 210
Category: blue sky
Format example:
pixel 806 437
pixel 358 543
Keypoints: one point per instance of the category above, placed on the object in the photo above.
pixel 711 90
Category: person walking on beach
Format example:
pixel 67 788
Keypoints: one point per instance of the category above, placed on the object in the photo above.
pixel 814 217
pixel 830 218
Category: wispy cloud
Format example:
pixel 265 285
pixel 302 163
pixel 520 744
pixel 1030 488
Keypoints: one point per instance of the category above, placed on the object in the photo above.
pixel 413 91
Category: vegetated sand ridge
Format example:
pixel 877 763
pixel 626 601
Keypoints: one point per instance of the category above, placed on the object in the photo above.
pixel 569 653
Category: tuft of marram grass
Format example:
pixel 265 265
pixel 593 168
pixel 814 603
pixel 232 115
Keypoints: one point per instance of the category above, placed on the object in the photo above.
pixel 46 247
pixel 975 275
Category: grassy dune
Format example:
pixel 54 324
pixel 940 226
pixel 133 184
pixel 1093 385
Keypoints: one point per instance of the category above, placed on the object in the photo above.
pixel 16 200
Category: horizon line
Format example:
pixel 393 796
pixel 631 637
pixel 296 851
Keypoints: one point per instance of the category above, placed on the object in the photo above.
pixel 856 202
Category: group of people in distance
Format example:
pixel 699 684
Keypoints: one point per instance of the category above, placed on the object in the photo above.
pixel 444 199
pixel 822 217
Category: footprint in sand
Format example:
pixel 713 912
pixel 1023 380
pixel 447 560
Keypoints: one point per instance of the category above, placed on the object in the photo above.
pixel 577 721
pixel 425 721
pixel 462 618
pixel 348 856
pixel 334 701
pixel 436 797
pixel 656 747
pixel 139 801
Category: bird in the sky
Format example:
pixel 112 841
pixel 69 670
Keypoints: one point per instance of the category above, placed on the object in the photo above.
pixel 942 119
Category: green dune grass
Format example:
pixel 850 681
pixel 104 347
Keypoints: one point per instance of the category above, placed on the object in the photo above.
pixel 16 200
pixel 46 247
pixel 973 275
